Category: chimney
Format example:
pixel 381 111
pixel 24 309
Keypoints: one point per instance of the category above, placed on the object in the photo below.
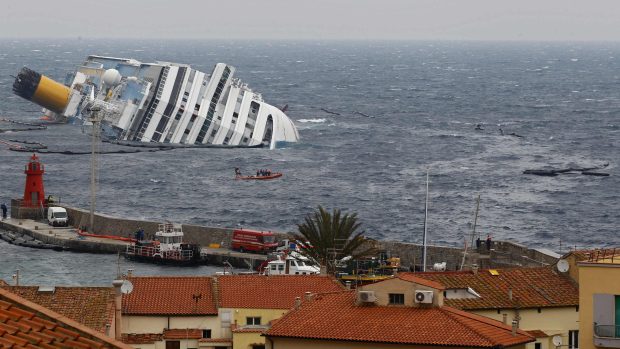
pixel 474 269
pixel 505 319
pixel 129 272
pixel 510 294
pixel 297 302
pixel 514 328
pixel 308 296
pixel 348 285
pixel 118 295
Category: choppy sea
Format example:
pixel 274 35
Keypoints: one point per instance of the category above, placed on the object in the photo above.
pixel 373 117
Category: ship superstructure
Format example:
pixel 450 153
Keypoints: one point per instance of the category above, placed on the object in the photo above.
pixel 162 102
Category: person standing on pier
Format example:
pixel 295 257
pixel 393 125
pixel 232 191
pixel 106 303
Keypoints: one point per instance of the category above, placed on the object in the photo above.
pixel 4 209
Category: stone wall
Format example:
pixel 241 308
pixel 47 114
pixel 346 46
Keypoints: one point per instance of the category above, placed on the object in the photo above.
pixel 19 212
pixel 501 254
pixel 108 225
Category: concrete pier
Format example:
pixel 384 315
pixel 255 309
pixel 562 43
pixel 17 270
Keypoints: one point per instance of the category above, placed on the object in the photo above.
pixel 502 253
pixel 68 239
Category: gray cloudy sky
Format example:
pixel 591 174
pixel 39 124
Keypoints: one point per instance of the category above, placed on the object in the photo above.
pixel 314 19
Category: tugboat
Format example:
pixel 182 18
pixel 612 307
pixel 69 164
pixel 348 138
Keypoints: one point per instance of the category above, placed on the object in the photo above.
pixel 167 247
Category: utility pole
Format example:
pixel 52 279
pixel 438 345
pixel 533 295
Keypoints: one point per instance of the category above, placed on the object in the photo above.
pixel 473 232
pixel 94 114
pixel 425 225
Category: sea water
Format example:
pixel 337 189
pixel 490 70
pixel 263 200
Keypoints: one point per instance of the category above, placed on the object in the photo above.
pixel 373 118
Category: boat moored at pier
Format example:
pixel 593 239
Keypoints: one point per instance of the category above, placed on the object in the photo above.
pixel 166 247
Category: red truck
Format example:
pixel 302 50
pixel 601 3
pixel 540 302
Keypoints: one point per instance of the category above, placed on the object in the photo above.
pixel 253 241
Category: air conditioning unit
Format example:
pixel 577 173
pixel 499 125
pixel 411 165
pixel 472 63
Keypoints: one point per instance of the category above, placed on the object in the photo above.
pixel 366 296
pixel 424 297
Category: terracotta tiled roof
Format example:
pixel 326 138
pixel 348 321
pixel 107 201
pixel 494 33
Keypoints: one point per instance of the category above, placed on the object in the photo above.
pixel 170 295
pixel 142 338
pixel 190 333
pixel 91 306
pixel 531 288
pixel 401 325
pixel 24 324
pixel 421 281
pixel 270 292
pixel 584 255
pixel 537 333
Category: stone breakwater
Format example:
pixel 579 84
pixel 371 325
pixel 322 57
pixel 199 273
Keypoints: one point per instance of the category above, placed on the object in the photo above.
pixel 501 254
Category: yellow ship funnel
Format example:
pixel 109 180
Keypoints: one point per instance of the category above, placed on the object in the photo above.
pixel 41 90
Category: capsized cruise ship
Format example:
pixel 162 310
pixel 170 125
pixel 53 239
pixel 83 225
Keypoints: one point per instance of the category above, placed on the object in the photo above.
pixel 161 102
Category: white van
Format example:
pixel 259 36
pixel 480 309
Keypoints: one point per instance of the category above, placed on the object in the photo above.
pixel 57 216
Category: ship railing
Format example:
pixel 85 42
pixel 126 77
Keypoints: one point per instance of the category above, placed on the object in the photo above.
pixel 180 255
pixel 156 252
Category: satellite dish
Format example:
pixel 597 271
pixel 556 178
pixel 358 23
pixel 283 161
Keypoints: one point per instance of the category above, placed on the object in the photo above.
pixel 557 340
pixel 562 265
pixel 126 287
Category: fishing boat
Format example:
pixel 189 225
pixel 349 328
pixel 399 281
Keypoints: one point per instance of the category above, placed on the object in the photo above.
pixel 166 247
pixel 160 102
pixel 265 177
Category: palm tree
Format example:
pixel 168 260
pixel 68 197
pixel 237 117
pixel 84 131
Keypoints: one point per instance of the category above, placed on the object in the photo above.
pixel 332 237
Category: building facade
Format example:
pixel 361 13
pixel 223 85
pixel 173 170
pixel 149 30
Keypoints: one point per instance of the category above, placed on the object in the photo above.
pixel 599 300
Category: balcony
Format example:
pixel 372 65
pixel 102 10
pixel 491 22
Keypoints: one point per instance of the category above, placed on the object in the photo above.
pixel 607 336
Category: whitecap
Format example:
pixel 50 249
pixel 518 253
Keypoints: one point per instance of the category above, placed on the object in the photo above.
pixel 574 60
pixel 311 120
pixel 35 50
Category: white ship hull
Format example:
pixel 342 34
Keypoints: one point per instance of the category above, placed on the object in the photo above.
pixel 172 103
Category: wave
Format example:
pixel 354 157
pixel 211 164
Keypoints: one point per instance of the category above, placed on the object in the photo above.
pixel 312 120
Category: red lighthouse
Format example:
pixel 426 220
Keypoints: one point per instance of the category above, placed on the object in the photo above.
pixel 34 194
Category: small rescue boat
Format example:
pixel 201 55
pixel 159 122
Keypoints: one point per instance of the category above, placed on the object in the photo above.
pixel 271 176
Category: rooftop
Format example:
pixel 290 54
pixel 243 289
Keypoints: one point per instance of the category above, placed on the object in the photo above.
pixel 90 306
pixel 411 277
pixel 142 338
pixel 27 324
pixel 185 333
pixel 170 295
pixel 196 295
pixel 600 256
pixel 531 288
pixel 588 254
pixel 270 292
pixel 416 326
